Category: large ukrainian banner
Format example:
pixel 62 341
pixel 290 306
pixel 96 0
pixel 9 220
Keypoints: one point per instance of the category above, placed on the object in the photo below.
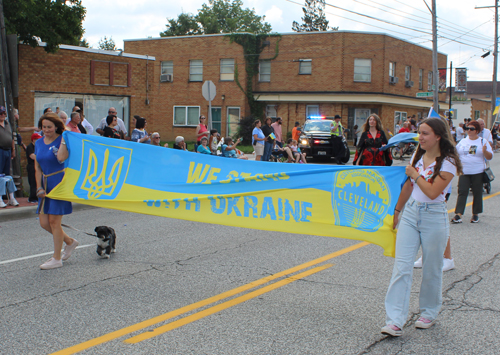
pixel 333 201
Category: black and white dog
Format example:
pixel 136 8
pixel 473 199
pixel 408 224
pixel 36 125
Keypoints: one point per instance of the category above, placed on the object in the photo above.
pixel 106 241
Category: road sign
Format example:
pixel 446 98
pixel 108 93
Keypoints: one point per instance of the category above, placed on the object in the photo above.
pixel 208 90
pixel 425 94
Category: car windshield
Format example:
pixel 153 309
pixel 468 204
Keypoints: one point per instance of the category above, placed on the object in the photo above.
pixel 317 126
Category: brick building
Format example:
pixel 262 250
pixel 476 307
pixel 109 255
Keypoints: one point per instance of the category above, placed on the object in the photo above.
pixel 95 78
pixel 307 74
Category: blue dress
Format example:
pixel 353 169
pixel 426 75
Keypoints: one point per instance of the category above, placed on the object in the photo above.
pixel 49 164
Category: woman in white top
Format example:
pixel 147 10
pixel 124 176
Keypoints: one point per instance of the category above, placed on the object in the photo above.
pixel 424 223
pixel 473 150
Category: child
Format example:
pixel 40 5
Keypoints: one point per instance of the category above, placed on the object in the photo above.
pixel 214 140
pixel 292 144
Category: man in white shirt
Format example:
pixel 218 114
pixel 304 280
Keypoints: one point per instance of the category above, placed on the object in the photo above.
pixel 460 132
pixel 121 126
pixel 485 132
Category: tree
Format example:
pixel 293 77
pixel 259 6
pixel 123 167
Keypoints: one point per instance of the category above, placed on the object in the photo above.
pixel 53 22
pixel 107 44
pixel 84 43
pixel 218 16
pixel 314 18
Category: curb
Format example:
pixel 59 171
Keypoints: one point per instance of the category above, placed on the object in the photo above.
pixel 14 214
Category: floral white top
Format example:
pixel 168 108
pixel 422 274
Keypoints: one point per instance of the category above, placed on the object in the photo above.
pixel 426 174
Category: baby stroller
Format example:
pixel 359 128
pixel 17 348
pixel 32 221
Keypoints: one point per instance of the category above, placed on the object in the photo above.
pixel 278 155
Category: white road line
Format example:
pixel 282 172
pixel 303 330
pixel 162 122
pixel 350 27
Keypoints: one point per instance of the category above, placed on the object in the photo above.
pixel 37 255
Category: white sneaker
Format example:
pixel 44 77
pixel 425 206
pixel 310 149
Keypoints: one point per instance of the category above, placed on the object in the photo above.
pixel 68 249
pixel 51 264
pixel 448 264
pixel 2 204
pixel 13 202
pixel 418 263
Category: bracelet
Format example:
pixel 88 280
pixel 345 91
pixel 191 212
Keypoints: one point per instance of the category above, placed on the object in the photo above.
pixel 397 210
pixel 417 178
pixel 40 188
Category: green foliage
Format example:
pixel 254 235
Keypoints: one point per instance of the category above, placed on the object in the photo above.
pixel 53 22
pixel 218 16
pixel 107 44
pixel 314 18
pixel 245 128
pixel 84 43
pixel 252 44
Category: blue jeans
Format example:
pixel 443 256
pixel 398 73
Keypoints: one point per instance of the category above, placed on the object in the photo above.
pixel 5 156
pixel 7 185
pixel 268 149
pixel 426 225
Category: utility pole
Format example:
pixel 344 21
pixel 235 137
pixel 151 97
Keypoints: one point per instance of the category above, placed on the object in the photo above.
pixel 435 76
pixel 495 60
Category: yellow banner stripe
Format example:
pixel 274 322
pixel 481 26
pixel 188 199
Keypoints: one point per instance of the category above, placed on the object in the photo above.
pixel 220 307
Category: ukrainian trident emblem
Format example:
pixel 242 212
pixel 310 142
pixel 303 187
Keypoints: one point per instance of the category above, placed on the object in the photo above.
pixel 103 171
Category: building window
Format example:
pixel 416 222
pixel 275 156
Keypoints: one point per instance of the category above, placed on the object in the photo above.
pixel 233 120
pixel 429 81
pixel 399 119
pixel 265 70
pixel 407 73
pixel 271 111
pixel 227 69
pixel 167 67
pixel 186 115
pixel 196 70
pixel 477 115
pixel 312 111
pixel 392 69
pixel 305 66
pixel 421 79
pixel 363 70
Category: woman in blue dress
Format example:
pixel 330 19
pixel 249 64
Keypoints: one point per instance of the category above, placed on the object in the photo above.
pixel 50 152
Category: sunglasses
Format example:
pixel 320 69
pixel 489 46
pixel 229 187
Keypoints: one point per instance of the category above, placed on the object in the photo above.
pixel 472 128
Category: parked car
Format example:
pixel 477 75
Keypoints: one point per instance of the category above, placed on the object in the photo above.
pixel 316 140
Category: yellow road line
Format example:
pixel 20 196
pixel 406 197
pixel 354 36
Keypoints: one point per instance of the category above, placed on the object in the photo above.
pixel 206 312
pixel 163 317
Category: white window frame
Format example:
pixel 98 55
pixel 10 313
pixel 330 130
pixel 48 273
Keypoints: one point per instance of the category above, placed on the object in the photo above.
pixel 265 71
pixel 227 69
pixel 305 66
pixel 167 67
pixel 407 73
pixel 401 117
pixel 270 109
pixel 359 70
pixel 196 70
pixel 421 79
pixel 186 116
pixel 310 107
pixel 392 69
pixel 429 81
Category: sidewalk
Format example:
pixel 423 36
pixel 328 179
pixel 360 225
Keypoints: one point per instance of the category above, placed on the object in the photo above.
pixel 27 210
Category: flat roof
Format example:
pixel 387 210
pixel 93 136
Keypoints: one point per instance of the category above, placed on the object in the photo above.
pixel 283 34
pixel 118 53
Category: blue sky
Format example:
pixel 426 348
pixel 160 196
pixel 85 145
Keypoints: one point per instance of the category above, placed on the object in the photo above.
pixel 458 20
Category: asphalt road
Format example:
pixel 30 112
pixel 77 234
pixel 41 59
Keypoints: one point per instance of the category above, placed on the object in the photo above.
pixel 212 289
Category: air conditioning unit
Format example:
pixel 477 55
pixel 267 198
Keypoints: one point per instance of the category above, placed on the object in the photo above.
pixel 393 80
pixel 408 83
pixel 165 78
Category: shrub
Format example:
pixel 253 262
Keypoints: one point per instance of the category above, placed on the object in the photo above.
pixel 245 129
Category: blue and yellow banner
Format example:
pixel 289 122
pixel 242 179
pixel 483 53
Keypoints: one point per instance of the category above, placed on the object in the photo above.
pixel 334 201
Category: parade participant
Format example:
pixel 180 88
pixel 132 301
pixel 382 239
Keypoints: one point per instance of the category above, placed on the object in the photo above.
pixel 121 125
pixel 460 132
pixel 268 129
pixel 484 132
pixel 110 130
pixel 50 152
pixel 473 150
pixel 372 139
pixel 201 131
pixel 139 134
pixel 7 146
pixel 73 123
pixel 424 223
pixel 355 135
pixel 258 139
pixel 337 131
pixel 203 147
pixel 30 158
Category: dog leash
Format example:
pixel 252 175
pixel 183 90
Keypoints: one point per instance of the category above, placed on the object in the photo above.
pixel 73 228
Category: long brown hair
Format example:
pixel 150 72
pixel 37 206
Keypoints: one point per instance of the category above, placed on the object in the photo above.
pixel 55 119
pixel 446 146
pixel 366 125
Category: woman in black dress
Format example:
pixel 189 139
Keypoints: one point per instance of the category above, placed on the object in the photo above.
pixel 372 139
